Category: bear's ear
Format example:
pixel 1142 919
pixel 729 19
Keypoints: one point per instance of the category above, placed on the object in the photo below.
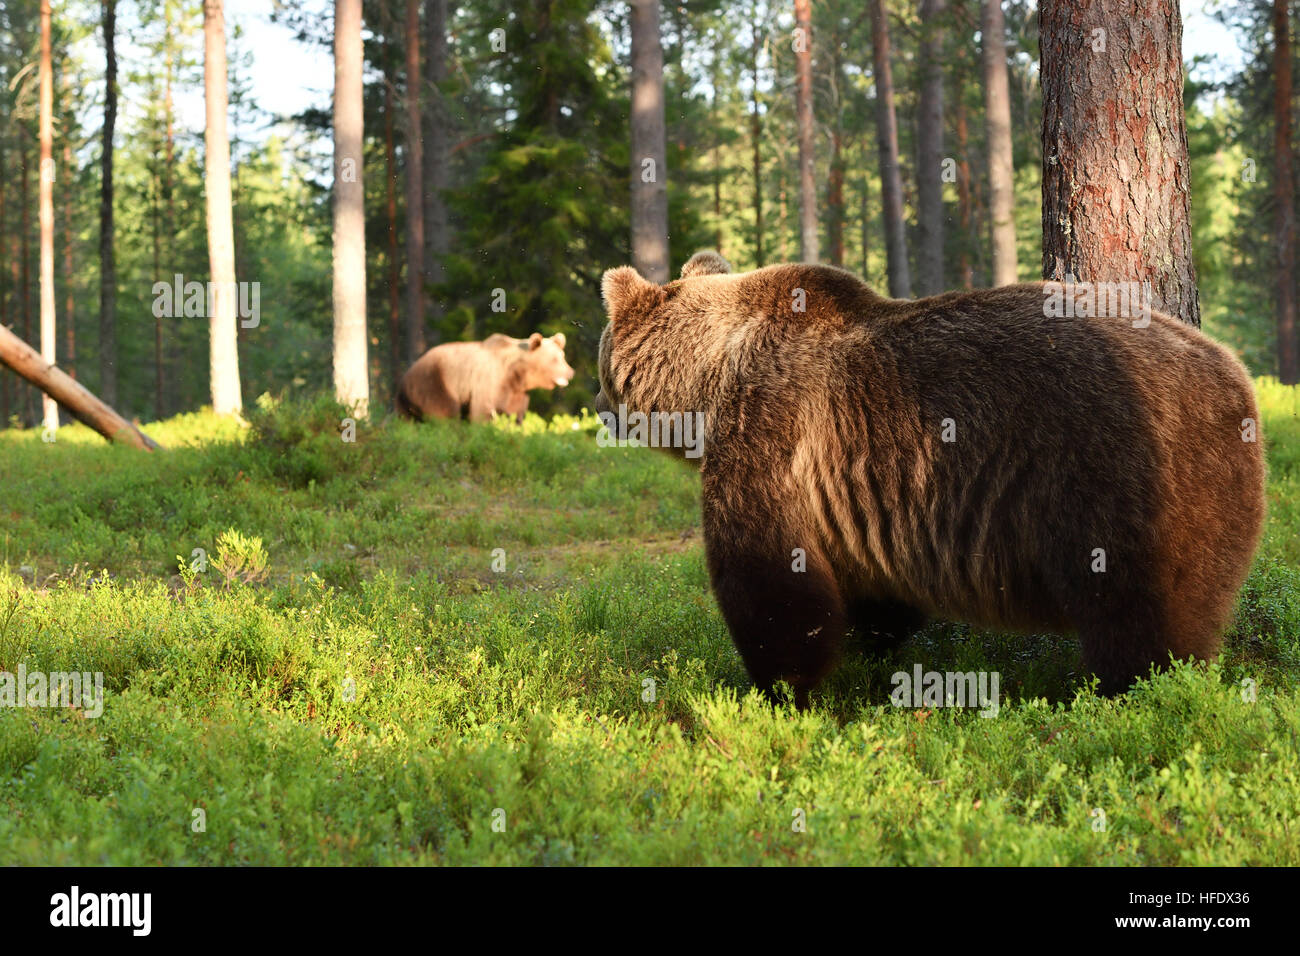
pixel 706 262
pixel 558 339
pixel 618 287
pixel 535 340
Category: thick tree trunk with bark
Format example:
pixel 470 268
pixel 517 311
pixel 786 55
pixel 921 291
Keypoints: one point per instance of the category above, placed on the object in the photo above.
pixel 416 341
pixel 1288 361
pixel 50 409
pixel 350 382
pixel 1115 167
pixel 997 121
pixel 930 214
pixel 107 262
pixel 437 144
pixel 808 239
pixel 891 183
pixel 223 346
pixel 649 150
pixel 80 403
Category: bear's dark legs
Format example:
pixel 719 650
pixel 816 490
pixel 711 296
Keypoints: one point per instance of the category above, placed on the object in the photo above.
pixel 1122 642
pixel 788 625
pixel 883 625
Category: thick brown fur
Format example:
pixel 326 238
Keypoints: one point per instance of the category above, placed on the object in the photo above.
pixel 824 432
pixel 478 380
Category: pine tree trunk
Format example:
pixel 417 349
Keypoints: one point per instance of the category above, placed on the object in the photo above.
pixel 930 213
pixel 808 238
pixel 107 262
pixel 155 187
pixel 396 345
pixel 415 337
pixel 716 158
pixel 891 183
pixel 437 169
pixel 961 124
pixel 1288 361
pixel 4 293
pixel 756 137
pixel 80 403
pixel 835 199
pixel 29 418
pixel 1115 166
pixel 69 318
pixel 49 408
pixel 175 351
pixel 223 357
pixel 997 119
pixel 350 382
pixel 649 151
pixel 864 222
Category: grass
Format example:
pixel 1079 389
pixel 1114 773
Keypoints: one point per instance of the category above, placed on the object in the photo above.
pixel 475 644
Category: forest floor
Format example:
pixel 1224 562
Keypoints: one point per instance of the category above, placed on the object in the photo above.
pixel 349 678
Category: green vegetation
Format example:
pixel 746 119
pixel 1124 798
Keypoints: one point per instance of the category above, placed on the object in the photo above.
pixel 341 676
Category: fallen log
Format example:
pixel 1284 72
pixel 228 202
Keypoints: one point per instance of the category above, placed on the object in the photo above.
pixel 68 392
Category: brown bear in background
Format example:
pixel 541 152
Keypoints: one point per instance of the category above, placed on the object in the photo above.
pixel 479 379
pixel 870 462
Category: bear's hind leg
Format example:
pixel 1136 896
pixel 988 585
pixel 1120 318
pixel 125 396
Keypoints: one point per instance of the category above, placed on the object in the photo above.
pixel 788 625
pixel 1121 646
pixel 881 626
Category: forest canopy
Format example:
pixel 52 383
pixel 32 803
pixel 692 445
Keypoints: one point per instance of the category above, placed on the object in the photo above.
pixel 497 162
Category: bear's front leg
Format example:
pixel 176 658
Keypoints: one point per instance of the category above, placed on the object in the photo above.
pixel 779 600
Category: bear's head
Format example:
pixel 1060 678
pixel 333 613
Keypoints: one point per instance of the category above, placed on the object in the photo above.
pixel 660 342
pixel 543 363
pixel 638 314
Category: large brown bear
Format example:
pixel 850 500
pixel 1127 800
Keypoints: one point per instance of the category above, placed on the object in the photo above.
pixel 477 380
pixel 869 462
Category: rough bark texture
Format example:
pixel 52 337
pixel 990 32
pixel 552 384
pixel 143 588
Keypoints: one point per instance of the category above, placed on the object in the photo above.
pixel 649 186
pixel 1288 362
pixel 1115 167
pixel 223 355
pixel 80 403
pixel 351 384
pixel 891 185
pixel 997 120
pixel 107 263
pixel 416 342
pixel 49 409
pixel 808 239
pixel 437 142
pixel 930 213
